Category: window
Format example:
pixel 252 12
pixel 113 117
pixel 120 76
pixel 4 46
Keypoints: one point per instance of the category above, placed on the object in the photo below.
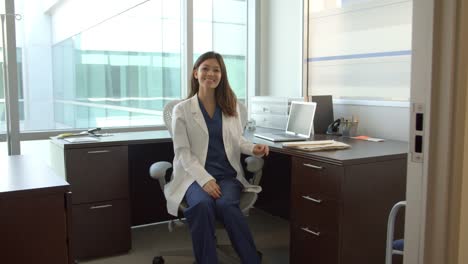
pixel 120 72
pixel 114 63
pixel 221 25
pixel 2 88
pixel 118 65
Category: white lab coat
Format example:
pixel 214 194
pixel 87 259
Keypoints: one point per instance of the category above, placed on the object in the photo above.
pixel 190 137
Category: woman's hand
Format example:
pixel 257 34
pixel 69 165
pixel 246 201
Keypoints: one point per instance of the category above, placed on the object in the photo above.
pixel 212 188
pixel 261 150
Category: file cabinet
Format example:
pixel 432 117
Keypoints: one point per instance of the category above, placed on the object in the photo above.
pixel 112 190
pixel 98 177
pixel 339 211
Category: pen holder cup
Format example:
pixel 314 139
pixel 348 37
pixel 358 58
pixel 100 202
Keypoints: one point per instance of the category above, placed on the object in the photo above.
pixel 349 128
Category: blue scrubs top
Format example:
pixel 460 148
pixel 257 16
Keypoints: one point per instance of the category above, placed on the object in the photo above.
pixel 217 164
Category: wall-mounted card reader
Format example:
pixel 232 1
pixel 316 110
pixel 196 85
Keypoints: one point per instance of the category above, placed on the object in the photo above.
pixel 417 132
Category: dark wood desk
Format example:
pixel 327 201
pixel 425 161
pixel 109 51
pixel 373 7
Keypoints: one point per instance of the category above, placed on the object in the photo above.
pixel 356 187
pixel 34 213
pixel 339 201
pixel 112 190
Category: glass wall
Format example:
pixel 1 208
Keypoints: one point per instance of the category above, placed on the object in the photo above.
pixel 118 65
pixel 2 79
pixel 221 25
pixel 2 87
pixel 113 63
pixel 121 72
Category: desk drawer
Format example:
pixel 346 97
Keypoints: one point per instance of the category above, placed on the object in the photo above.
pixel 97 174
pixel 308 246
pixel 317 180
pixel 319 215
pixel 101 229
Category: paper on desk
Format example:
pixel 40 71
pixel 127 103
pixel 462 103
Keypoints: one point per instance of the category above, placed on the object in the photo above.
pixel 81 139
pixel 368 138
pixel 317 145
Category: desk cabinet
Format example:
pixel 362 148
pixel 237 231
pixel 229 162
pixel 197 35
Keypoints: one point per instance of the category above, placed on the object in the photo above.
pixel 110 183
pixel 101 212
pixel 34 213
pixel 339 212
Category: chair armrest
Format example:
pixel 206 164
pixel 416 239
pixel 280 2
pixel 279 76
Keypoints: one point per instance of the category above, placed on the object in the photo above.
pixel 158 171
pixel 390 230
pixel 254 164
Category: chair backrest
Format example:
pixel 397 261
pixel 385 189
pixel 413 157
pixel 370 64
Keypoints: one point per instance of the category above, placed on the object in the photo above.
pixel 243 114
pixel 167 114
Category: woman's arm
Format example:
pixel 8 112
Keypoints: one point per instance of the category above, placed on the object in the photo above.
pixel 247 147
pixel 182 149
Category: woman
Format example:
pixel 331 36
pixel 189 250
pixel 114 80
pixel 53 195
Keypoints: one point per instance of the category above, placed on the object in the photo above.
pixel 208 142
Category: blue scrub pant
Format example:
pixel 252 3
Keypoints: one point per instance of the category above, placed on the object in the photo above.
pixel 201 216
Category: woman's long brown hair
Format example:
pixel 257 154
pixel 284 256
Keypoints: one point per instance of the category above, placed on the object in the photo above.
pixel 225 97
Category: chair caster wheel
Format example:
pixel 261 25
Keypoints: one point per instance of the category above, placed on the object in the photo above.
pixel 158 260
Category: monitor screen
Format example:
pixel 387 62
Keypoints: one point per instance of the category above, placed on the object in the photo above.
pixel 301 118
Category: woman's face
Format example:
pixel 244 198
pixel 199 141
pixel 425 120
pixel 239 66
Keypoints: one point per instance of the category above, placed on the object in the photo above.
pixel 208 74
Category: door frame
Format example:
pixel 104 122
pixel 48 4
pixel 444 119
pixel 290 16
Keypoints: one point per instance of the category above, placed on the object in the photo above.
pixel 439 79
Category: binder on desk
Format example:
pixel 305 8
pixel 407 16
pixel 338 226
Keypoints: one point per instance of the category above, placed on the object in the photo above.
pixel 317 145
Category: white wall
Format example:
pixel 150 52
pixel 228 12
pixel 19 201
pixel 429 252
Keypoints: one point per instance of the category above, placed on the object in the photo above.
pixel 281 67
pixel 281 48
pixel 387 122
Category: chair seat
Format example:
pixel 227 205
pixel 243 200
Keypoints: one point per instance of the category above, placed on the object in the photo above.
pixel 398 244
pixel 247 200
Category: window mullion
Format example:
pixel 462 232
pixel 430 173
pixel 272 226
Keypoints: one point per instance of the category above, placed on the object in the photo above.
pixel 187 45
pixel 11 89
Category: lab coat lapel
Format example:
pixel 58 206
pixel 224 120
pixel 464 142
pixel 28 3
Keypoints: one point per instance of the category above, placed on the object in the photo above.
pixel 197 114
pixel 227 137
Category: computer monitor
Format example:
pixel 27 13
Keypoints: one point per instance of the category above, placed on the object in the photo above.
pixel 323 113
pixel 301 118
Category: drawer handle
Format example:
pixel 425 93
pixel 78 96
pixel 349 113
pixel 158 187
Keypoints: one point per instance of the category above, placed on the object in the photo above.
pixel 312 166
pixel 100 206
pixel 312 199
pixel 98 151
pixel 310 231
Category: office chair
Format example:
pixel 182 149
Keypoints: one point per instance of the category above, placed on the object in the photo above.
pixel 393 247
pixel 161 171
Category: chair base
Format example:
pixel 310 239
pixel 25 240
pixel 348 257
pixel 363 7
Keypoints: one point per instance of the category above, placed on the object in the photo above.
pixel 160 260
pixel 222 250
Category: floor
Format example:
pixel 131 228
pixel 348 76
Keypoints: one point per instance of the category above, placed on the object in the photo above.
pixel 271 236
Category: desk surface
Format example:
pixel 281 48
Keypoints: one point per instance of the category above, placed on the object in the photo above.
pixel 24 174
pixel 119 139
pixel 360 151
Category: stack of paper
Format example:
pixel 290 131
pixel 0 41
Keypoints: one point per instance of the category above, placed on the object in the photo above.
pixel 81 139
pixel 317 145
